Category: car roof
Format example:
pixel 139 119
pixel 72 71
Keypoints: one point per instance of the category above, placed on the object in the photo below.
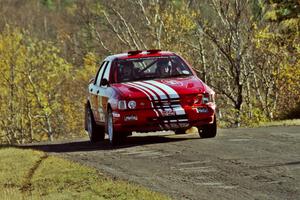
pixel 139 54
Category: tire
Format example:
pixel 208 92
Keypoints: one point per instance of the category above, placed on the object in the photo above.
pixel 179 131
pixel 208 130
pixel 96 132
pixel 113 136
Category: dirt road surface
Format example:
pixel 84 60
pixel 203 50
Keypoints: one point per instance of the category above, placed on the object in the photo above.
pixel 255 163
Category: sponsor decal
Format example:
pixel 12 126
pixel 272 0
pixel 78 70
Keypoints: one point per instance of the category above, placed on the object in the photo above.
pixel 172 82
pixel 167 113
pixel 131 118
pixel 202 110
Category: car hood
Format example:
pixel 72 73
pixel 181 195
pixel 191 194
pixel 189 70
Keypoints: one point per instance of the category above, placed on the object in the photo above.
pixel 170 88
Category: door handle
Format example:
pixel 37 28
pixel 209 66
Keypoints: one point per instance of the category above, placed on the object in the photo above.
pixel 98 92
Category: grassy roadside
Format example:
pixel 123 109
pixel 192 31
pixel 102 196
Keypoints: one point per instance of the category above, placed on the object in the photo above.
pixel 28 174
pixel 290 122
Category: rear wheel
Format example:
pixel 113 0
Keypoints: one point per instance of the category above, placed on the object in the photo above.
pixel 114 136
pixel 96 132
pixel 208 130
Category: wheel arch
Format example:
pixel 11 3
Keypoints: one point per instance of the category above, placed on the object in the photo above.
pixel 86 106
pixel 108 107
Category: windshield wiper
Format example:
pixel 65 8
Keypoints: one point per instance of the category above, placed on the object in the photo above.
pixel 142 78
pixel 178 75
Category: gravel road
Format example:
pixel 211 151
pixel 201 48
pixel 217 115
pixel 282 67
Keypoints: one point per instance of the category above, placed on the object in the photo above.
pixel 255 163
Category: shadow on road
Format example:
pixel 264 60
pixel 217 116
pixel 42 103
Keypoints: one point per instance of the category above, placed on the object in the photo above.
pixel 73 146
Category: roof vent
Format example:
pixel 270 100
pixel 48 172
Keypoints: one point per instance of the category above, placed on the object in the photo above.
pixel 151 51
pixel 131 53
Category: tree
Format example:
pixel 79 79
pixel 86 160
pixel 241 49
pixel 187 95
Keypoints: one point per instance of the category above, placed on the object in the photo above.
pixel 230 36
pixel 283 24
pixel 33 75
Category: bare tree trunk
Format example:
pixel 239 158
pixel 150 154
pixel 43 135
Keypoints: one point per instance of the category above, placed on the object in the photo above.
pixel 45 114
pixel 239 100
pixel 45 26
pixel 30 121
pixel 49 128
pixel 12 121
pixel 202 56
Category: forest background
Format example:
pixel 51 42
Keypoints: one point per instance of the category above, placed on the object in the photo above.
pixel 247 50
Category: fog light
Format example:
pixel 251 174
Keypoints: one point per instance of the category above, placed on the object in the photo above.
pixel 130 118
pixel 115 114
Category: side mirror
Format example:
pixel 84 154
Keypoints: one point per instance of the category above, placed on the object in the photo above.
pixel 104 82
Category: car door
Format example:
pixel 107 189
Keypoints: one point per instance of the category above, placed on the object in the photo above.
pixel 104 92
pixel 94 90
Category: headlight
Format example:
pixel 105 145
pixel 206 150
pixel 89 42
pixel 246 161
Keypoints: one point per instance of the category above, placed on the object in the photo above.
pixel 132 104
pixel 207 98
pixel 122 105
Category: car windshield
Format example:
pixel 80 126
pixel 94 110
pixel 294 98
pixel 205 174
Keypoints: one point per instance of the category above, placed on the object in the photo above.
pixel 150 68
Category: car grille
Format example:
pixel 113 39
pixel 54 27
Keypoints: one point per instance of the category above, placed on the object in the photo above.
pixel 172 103
pixel 169 122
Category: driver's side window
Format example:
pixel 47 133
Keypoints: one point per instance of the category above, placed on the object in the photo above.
pixel 100 73
pixel 106 75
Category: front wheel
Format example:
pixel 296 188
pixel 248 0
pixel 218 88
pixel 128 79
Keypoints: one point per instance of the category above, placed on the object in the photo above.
pixel 113 136
pixel 96 133
pixel 208 130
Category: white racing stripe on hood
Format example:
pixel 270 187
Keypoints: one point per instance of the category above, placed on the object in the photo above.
pixel 159 94
pixel 170 91
pixel 145 89
pixel 150 99
pixel 158 91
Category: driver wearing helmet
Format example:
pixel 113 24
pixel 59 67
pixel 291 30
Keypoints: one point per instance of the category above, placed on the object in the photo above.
pixel 163 68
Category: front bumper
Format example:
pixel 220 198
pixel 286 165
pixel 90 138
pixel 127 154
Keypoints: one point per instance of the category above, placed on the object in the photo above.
pixel 163 119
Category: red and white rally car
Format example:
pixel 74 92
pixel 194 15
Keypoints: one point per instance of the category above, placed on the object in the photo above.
pixel 147 91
